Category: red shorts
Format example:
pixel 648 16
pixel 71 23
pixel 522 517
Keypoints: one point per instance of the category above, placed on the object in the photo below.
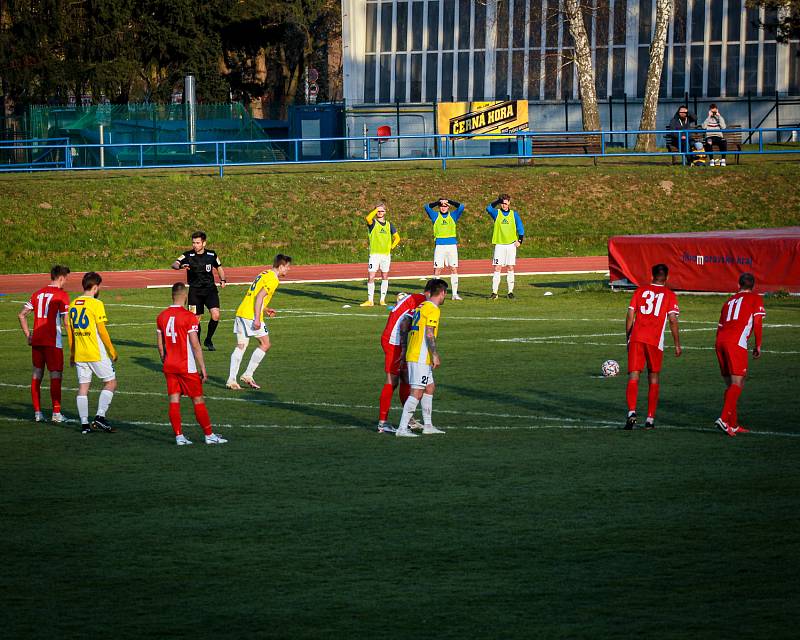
pixel 393 358
pixel 52 357
pixel 732 359
pixel 641 354
pixel 185 384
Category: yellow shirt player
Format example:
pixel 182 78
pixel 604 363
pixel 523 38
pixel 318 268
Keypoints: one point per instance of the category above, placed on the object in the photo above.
pixel 91 352
pixel 249 321
pixel 383 237
pixel 422 357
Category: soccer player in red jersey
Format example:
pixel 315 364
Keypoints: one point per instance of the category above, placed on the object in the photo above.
pixel 742 314
pixel 650 309
pixel 49 307
pixel 393 341
pixel 184 368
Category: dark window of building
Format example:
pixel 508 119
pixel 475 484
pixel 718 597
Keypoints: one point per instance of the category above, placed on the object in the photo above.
pixel 751 30
pixel 678 72
pixel 550 76
pixel 372 27
pixel 416 25
pixel 462 77
pixel 662 89
pixel 732 71
pixel 734 20
pixel 464 18
pixel 416 77
pixel 447 78
pixel 602 23
pixel 620 20
pixel 534 74
pixel 369 79
pixel 768 60
pixel 448 23
pixel 716 20
pixel 641 71
pixel 478 75
pixel 566 38
pixel 431 77
pixel 679 22
pixel 618 73
pixel 400 62
pixel 794 68
pixel 520 25
pixel 386 27
pixel 751 68
pixel 698 20
pixel 501 75
pixel 535 36
pixel 601 70
pixel 714 70
pixel 588 22
pixel 645 21
pixel 385 78
pixel 696 71
pixel 567 71
pixel 480 24
pixel 433 26
pixel 401 24
pixel 551 28
pixel 770 24
pixel 517 74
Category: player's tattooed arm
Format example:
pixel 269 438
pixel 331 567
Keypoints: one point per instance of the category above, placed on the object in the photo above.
pixel 23 322
pixel 430 339
pixel 405 325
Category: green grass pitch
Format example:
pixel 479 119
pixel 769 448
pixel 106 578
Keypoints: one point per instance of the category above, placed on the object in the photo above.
pixel 534 516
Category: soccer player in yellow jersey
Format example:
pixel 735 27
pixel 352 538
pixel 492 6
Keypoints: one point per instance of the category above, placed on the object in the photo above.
pixel 250 323
pixel 383 237
pixel 422 357
pixel 91 352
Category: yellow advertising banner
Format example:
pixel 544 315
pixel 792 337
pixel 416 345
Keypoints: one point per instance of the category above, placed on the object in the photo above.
pixel 469 118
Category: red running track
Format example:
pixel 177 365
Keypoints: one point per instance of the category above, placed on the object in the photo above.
pixel 28 282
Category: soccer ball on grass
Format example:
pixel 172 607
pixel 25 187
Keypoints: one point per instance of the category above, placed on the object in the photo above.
pixel 610 368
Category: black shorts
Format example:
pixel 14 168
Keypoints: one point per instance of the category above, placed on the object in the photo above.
pixel 200 299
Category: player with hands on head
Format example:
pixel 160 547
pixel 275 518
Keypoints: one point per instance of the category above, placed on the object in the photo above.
pixel 444 214
pixel 383 237
pixel 183 365
pixel 199 264
pixel 507 235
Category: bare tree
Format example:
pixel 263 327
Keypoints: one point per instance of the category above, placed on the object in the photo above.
pixel 647 141
pixel 573 12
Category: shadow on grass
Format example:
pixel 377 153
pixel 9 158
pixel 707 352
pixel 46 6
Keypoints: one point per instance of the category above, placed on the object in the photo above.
pixel 594 285
pixel 148 363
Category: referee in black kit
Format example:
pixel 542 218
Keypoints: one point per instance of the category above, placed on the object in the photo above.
pixel 200 264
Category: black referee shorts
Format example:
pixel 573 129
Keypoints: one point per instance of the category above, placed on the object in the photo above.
pixel 201 299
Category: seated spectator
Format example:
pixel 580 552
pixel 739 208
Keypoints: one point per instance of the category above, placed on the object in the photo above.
pixel 714 124
pixel 682 123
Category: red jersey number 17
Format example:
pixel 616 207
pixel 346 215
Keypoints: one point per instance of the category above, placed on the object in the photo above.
pixel 43 305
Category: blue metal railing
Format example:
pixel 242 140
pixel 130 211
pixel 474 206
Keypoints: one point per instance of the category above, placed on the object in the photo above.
pixel 59 154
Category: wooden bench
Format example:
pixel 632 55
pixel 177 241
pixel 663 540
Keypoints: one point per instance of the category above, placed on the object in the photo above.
pixel 572 145
pixel 734 139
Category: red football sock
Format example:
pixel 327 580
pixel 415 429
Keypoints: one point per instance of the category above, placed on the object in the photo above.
pixel 203 419
pixel 385 402
pixel 729 407
pixel 652 400
pixel 175 417
pixel 55 394
pixel 36 393
pixel 404 390
pixel 631 391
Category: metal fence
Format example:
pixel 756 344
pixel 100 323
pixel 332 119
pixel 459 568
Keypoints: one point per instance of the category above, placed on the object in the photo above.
pixel 63 155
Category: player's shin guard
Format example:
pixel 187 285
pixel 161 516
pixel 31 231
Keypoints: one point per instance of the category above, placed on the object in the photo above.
pixel 212 328
pixel 385 402
pixel 83 408
pixel 404 390
pixel 36 393
pixel 55 394
pixel 371 291
pixel 384 289
pixel 652 400
pixel 631 391
pixel 454 284
pixel 427 408
pixel 203 419
pixel 496 281
pixel 104 402
pixel 729 411
pixel 175 417
pixel 236 361
pixel 255 360
pixel 409 408
pixel 510 279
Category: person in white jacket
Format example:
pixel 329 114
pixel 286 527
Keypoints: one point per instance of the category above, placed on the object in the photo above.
pixel 714 125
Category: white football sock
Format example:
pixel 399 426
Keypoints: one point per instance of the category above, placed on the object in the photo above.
pixel 510 278
pixel 454 283
pixel 105 401
pixel 495 281
pixel 408 410
pixel 384 289
pixel 255 360
pixel 371 291
pixel 236 361
pixel 83 408
pixel 427 408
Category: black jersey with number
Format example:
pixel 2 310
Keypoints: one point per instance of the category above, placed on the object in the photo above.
pixel 201 268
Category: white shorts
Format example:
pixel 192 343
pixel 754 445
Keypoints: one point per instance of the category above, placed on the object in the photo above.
pixel 445 255
pixel 103 369
pixel 505 255
pixel 379 262
pixel 419 375
pixel 243 328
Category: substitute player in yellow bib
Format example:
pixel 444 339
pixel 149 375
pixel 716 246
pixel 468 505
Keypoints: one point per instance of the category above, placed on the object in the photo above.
pixel 422 357
pixel 383 237
pixel 91 352
pixel 250 321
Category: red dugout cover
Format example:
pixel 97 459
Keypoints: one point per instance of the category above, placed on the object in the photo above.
pixel 711 260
